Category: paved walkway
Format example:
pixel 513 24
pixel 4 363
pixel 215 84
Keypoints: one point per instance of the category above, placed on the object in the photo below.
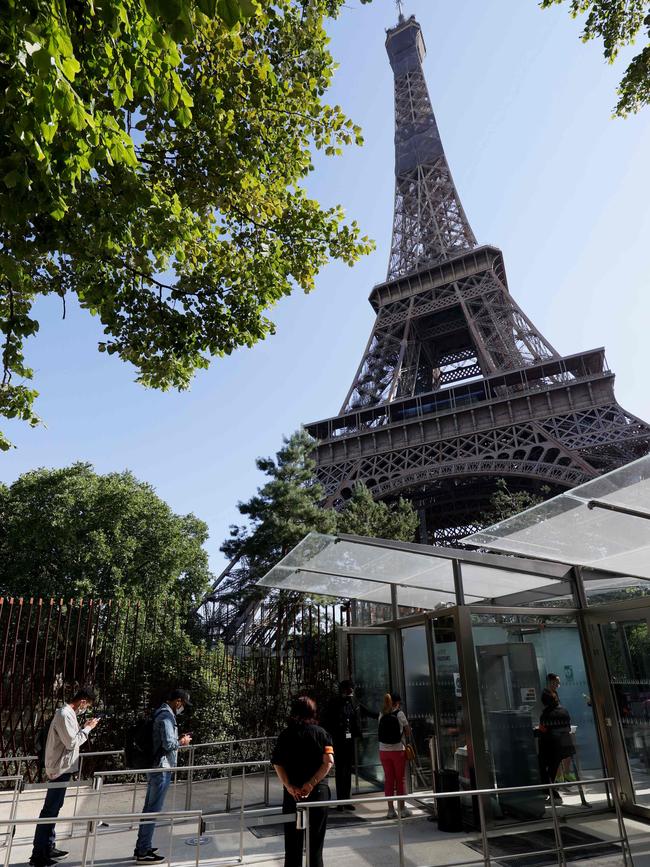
pixel 364 839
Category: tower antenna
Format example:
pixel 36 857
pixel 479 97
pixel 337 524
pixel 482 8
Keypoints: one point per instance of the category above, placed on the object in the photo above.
pixel 400 9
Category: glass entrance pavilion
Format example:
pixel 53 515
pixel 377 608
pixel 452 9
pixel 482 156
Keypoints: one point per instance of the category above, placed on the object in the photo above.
pixel 469 637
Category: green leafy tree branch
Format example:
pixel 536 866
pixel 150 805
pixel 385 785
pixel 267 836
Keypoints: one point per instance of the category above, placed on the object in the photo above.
pixel 618 23
pixel 153 160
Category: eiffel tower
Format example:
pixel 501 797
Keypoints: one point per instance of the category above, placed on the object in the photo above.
pixel 457 388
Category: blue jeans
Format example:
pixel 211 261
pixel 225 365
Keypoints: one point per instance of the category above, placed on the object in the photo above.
pixel 45 836
pixel 157 786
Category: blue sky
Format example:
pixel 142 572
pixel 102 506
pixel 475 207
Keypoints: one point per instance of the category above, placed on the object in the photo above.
pixel 524 109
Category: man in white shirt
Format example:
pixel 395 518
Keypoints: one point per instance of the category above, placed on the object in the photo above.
pixel 61 761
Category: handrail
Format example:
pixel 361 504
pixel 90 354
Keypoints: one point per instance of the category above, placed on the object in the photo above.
pixel 181 768
pixel 226 743
pixel 93 823
pixel 17 780
pixel 100 775
pixel 486 860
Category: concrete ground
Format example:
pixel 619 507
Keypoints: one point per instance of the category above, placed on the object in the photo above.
pixel 366 839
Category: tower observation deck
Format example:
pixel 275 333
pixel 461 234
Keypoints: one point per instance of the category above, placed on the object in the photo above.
pixel 456 387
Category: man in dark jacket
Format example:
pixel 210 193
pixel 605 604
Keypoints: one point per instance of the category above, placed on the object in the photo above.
pixel 165 749
pixel 342 720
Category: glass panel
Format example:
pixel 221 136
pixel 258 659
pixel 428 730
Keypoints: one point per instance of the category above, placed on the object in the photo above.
pixel 565 529
pixel 419 697
pixel 371 672
pixel 628 657
pixel 517 587
pixel 604 591
pixel 452 743
pixel 514 656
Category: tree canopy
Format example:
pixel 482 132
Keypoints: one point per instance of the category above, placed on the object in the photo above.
pixel 504 503
pixel 618 23
pixel 72 532
pixel 152 165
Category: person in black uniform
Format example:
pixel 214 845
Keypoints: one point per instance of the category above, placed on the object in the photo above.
pixel 555 743
pixel 302 758
pixel 342 721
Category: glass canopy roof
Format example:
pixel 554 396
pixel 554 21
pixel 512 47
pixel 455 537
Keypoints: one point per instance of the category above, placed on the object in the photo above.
pixel 352 567
pixel 602 524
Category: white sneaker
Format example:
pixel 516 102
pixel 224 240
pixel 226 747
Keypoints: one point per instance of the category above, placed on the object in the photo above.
pixel 405 812
pixel 391 814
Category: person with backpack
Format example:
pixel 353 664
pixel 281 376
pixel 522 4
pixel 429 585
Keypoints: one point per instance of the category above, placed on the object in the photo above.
pixel 164 754
pixel 61 761
pixel 393 728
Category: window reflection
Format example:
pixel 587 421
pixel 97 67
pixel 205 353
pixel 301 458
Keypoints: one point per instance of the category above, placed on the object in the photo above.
pixel 515 654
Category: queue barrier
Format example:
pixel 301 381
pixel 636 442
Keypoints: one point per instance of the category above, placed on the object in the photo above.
pixel 303 807
pixel 100 776
pixel 17 780
pixel 92 823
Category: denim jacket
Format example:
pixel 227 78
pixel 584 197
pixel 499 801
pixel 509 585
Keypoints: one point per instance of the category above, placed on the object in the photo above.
pixel 165 736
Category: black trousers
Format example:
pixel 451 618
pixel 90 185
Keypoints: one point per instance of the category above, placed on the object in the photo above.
pixel 294 839
pixel 343 762
pixel 549 762
pixel 45 836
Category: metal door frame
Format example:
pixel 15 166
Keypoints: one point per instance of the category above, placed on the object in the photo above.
pixel 603 702
pixel 461 617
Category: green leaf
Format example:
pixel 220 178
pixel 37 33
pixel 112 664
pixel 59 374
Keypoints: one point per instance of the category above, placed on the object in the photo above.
pixel 70 67
pixel 170 9
pixel 11 179
pixel 249 7
pixel 230 12
pixel 208 7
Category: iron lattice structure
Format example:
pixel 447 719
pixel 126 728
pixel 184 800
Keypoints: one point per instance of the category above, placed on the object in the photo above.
pixel 457 387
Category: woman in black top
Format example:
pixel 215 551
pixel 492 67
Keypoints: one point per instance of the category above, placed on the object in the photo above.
pixel 555 742
pixel 302 758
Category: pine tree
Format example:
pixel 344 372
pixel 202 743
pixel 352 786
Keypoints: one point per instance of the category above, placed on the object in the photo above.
pixel 365 516
pixel 285 509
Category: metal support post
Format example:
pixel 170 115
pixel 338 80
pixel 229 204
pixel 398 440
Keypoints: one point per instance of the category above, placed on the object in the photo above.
pixel 307 821
pixel 622 830
pixel 484 835
pixel 561 859
pixel 241 817
pixel 267 758
pixel 190 778
pixel 400 833
pixel 229 792
pixel 135 792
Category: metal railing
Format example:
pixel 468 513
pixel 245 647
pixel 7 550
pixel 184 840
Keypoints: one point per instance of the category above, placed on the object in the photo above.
pixel 93 822
pixel 17 780
pixel 230 766
pixel 18 760
pixel 192 749
pixel 78 784
pixel 303 807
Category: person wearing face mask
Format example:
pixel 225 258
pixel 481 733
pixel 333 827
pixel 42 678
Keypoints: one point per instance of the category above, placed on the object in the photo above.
pixel 64 738
pixel 165 748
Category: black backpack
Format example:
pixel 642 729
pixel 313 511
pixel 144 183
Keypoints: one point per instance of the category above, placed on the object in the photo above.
pixel 138 746
pixel 389 730
pixel 40 742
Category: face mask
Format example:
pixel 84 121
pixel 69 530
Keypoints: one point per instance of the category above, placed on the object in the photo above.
pixel 179 710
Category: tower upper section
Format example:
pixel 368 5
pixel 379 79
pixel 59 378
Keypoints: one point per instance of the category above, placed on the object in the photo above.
pixel 429 225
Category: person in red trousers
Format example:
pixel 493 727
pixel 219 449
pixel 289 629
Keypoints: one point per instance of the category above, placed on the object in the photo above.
pixel 392 731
